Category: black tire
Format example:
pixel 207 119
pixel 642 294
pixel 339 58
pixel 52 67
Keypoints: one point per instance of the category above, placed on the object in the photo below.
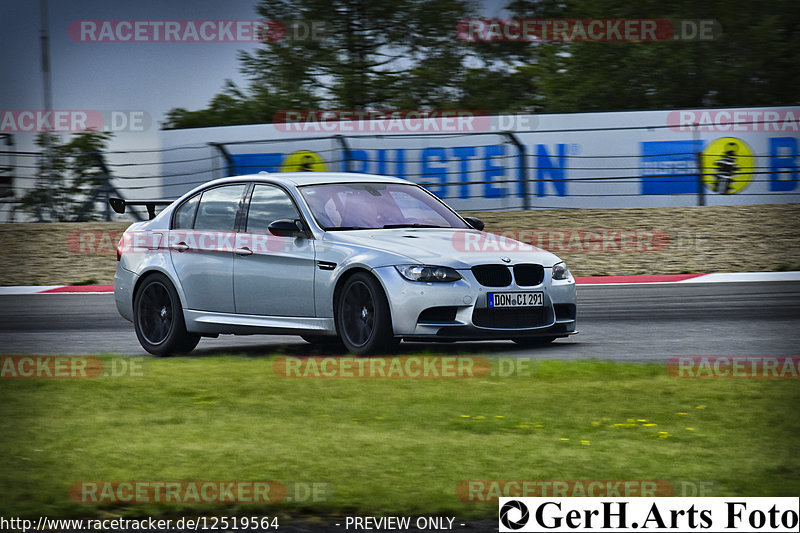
pixel 363 319
pixel 158 318
pixel 534 341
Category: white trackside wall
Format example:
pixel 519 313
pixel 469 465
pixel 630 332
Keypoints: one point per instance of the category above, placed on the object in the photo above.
pixel 581 160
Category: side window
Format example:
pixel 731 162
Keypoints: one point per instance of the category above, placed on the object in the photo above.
pixel 267 205
pixel 184 215
pixel 218 207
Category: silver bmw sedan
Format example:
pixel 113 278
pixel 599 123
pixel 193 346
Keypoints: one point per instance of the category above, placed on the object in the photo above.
pixel 357 259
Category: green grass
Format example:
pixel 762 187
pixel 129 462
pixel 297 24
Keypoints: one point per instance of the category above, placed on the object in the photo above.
pixel 389 445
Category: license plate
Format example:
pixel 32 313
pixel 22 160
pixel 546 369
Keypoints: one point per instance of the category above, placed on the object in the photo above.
pixel 515 299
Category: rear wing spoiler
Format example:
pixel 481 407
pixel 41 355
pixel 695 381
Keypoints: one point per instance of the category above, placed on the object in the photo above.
pixel 119 204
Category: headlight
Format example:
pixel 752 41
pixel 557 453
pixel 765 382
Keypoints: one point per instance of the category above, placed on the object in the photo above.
pixel 560 271
pixel 427 273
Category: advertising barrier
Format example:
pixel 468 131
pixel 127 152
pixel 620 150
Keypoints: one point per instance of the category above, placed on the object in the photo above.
pixel 480 162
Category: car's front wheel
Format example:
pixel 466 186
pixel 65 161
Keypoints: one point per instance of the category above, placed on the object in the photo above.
pixel 158 318
pixel 363 319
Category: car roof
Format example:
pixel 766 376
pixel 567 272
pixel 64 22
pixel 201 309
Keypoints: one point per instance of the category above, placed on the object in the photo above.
pixel 311 178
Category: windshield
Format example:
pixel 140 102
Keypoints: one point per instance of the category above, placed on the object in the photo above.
pixel 343 206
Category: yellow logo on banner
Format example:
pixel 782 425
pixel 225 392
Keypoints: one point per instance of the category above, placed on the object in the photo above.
pixel 728 165
pixel 304 161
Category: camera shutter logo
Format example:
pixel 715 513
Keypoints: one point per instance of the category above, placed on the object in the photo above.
pixel 524 514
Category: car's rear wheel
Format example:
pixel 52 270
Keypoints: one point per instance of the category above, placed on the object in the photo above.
pixel 158 318
pixel 534 341
pixel 363 318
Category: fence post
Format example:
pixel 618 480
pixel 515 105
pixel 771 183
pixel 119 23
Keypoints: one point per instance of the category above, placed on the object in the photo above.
pixel 523 168
pixel 225 154
pixel 104 191
pixel 701 187
pixel 342 140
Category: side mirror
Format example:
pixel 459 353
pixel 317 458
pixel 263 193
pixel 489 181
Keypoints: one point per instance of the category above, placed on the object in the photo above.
pixel 287 228
pixel 475 222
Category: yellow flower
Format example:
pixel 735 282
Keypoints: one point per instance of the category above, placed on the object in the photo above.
pixel 564 439
pixel 649 425
pixel 465 416
pixel 585 442
pixel 480 417
pixel 700 407
pixel 682 414
pixel 595 423
pixel 539 426
pixel 499 416
pixel 689 429
pixel 641 420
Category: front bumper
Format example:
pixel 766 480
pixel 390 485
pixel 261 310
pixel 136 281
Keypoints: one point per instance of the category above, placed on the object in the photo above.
pixel 460 309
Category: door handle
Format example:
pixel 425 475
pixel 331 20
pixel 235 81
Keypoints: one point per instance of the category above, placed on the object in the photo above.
pixel 243 251
pixel 181 246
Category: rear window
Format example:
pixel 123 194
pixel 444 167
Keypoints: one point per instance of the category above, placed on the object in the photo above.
pixel 184 215
pixel 213 209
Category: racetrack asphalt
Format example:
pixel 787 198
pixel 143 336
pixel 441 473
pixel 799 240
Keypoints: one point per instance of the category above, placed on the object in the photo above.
pixel 641 322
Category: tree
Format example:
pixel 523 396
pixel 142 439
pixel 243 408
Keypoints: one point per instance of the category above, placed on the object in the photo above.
pixel 751 63
pixel 404 54
pixel 369 55
pixel 232 106
pixel 66 178
pixel 377 54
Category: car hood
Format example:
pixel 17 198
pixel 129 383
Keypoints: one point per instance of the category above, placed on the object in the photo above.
pixel 455 248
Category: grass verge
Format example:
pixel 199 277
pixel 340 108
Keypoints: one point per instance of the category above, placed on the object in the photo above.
pixel 388 446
